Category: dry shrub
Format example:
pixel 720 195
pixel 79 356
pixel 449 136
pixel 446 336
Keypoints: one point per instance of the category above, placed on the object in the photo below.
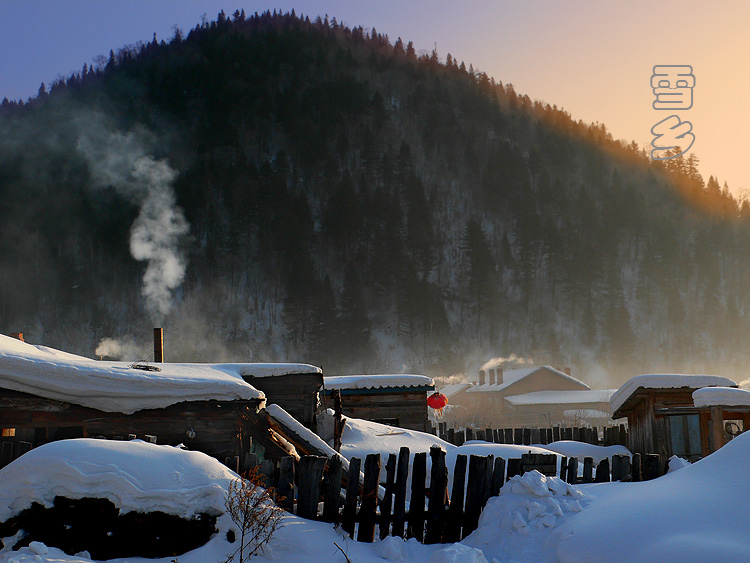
pixel 253 511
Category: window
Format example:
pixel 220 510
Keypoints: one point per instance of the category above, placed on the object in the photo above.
pixel 9 432
pixel 684 431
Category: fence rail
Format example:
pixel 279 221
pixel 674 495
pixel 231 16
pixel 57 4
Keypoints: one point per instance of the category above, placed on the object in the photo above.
pixel 437 511
pixel 605 436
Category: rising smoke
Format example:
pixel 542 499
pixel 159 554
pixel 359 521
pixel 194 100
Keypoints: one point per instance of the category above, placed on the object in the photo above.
pixel 123 161
pixel 511 362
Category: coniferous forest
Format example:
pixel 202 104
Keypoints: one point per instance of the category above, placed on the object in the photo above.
pixel 311 192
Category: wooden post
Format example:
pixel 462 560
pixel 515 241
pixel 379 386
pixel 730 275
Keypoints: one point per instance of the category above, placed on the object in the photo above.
pixel 527 436
pixel 588 469
pixel 451 436
pixel 285 488
pixel 338 420
pixel 399 495
pixel 717 428
pixel 536 436
pixel 469 434
pixel 489 463
pixel 555 433
pixel 349 514
pixel 369 507
pixel 498 476
pixel 602 471
pixel 460 438
pixel 573 470
pixel 508 435
pixel 651 467
pixel 568 433
pixel 310 474
pixel 438 496
pixel 515 467
pixel 518 436
pixel 498 436
pixel 564 468
pixel 452 532
pixel 489 435
pixel 385 506
pixel 481 436
pixel 267 469
pixel 475 494
pixel 416 503
pixel 332 491
pixel 637 470
pixel 620 467
pixel 577 434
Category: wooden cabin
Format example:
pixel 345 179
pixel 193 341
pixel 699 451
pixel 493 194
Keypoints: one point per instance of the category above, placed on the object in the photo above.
pixel 397 400
pixel 663 417
pixel 47 395
pixel 294 387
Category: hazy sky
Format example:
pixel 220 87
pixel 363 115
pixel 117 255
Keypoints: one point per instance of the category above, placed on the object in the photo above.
pixel 592 58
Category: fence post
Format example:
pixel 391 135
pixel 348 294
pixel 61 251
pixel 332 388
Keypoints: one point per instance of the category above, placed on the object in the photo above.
pixel 602 471
pixel 573 470
pixel 620 467
pixel 416 504
pixel 518 436
pixel 515 467
pixel 651 467
pixel 588 469
pixel 475 494
pixel 452 532
pixel 6 454
pixel 385 506
pixel 451 436
pixel 508 435
pixel 498 476
pixel 369 507
pixel 555 433
pixel 564 468
pixel 310 474
pixel 637 471
pixel 349 514
pixel 469 434
pixel 332 491
pixel 399 495
pixel 438 496
pixel 285 488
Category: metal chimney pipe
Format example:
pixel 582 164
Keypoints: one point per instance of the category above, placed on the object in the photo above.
pixel 158 345
pixel 18 335
pixel 491 372
pixel 481 377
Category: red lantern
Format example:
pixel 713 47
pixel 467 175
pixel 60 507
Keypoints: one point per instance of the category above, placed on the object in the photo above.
pixel 437 401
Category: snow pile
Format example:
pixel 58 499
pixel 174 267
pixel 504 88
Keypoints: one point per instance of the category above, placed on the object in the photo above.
pixel 721 396
pixel 581 450
pixel 520 523
pixel 666 381
pixel 376 381
pixel 134 476
pixel 693 515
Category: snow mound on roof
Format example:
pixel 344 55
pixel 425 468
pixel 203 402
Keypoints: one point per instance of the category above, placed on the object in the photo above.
pixel 666 381
pixel 721 396
pixel 376 381
pixel 527 509
pixel 696 514
pixel 134 476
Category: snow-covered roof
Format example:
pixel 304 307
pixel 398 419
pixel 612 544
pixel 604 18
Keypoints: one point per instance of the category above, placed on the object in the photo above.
pixel 721 396
pixel 271 370
pixel 666 381
pixel 134 476
pixel 450 390
pixel 118 387
pixel 515 375
pixel 561 397
pixel 376 381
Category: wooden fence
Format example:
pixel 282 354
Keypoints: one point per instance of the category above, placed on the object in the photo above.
pixel 606 436
pixel 439 512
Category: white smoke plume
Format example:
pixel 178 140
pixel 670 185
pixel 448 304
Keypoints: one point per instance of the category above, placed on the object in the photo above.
pixel 157 236
pixel 511 362
pixel 120 349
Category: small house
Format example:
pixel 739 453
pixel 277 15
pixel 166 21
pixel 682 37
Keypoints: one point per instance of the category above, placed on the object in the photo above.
pixel 663 417
pixel 294 387
pixel 525 397
pixel 397 400
pixel 48 395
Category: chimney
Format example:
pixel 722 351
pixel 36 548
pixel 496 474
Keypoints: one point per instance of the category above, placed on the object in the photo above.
pixel 481 377
pixel 18 335
pixel 566 370
pixel 491 373
pixel 499 375
pixel 158 345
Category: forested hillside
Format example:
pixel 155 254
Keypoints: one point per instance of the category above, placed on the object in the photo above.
pixel 276 188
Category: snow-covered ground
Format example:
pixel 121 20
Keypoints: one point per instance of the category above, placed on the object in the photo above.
pixel 695 514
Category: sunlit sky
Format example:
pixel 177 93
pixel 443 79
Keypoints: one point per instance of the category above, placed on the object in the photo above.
pixel 592 58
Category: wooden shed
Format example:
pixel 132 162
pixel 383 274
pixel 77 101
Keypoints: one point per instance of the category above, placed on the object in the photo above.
pixel 397 400
pixel 47 395
pixel 662 416
pixel 294 387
